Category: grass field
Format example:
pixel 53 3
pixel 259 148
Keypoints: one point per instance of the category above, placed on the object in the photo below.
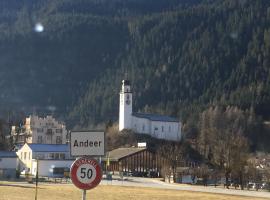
pixel 69 192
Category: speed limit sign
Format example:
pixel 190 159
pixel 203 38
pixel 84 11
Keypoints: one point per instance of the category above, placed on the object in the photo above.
pixel 86 173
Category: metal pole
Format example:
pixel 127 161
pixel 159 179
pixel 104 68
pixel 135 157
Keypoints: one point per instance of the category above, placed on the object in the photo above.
pixel 36 182
pixel 84 195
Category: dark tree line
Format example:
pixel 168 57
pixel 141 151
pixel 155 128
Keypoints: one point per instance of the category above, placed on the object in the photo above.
pixel 186 59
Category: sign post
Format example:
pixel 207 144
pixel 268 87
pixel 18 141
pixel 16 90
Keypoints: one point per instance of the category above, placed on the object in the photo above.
pixel 85 172
pixel 84 195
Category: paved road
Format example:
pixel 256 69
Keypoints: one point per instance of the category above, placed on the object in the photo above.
pixel 155 183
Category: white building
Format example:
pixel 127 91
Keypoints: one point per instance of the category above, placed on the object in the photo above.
pixel 158 126
pixel 40 130
pixel 53 159
pixel 8 164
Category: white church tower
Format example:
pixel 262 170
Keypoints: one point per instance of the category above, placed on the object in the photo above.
pixel 125 107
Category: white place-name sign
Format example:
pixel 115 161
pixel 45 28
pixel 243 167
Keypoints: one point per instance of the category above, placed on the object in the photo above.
pixel 87 143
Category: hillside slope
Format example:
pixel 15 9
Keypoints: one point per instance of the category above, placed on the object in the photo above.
pixel 185 59
pixel 47 71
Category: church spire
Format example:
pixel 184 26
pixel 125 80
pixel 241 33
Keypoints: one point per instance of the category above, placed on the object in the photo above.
pixel 126 76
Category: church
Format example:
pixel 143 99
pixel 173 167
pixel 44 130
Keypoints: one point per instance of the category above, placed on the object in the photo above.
pixel 158 126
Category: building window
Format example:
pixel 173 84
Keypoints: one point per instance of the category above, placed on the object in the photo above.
pixel 162 128
pixel 21 155
pixel 169 129
pixel 58 130
pixel 56 156
pixel 49 131
pixel 51 156
pixel 62 156
pixel 39 130
pixel 39 139
pixel 143 127
pixel 40 156
pixel 58 140
pixel 29 156
pixel 25 155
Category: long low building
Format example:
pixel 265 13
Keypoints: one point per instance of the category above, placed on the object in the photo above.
pixel 133 161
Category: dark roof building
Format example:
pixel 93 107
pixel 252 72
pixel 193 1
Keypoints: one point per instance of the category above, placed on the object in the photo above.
pixel 49 147
pixel 120 153
pixel 8 154
pixel 133 161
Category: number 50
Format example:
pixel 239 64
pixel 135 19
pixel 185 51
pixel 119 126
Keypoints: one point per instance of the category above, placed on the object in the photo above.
pixel 86 173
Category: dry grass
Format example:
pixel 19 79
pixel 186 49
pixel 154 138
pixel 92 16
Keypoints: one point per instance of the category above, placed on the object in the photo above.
pixel 69 192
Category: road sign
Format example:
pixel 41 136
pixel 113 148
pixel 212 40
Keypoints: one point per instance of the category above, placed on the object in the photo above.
pixel 86 173
pixel 91 143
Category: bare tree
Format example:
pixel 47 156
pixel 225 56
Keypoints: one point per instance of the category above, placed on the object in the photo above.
pixel 222 140
pixel 173 154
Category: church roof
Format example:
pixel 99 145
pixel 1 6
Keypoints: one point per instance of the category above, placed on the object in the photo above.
pixel 155 117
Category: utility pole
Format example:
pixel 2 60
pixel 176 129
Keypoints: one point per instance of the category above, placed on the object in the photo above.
pixel 36 181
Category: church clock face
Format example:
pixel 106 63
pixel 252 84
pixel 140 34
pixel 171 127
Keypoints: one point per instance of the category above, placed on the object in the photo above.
pixel 122 100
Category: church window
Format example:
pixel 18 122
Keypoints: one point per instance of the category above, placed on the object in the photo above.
pixel 169 129
pixel 162 128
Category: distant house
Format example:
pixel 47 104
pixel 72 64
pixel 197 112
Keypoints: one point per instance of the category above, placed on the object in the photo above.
pixel 40 130
pixel 8 164
pixel 158 126
pixel 53 159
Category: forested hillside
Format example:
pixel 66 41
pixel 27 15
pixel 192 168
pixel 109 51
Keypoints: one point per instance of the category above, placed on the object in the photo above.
pixel 181 56
pixel 185 59
pixel 48 71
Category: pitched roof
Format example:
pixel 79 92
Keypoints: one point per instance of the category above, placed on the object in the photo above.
pixel 155 117
pixel 49 147
pixel 119 153
pixel 8 154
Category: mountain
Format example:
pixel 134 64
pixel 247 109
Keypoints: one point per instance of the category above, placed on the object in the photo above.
pixel 48 71
pixel 181 56
pixel 186 59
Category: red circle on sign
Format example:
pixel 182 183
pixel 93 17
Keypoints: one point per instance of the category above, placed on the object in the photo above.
pixel 86 173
